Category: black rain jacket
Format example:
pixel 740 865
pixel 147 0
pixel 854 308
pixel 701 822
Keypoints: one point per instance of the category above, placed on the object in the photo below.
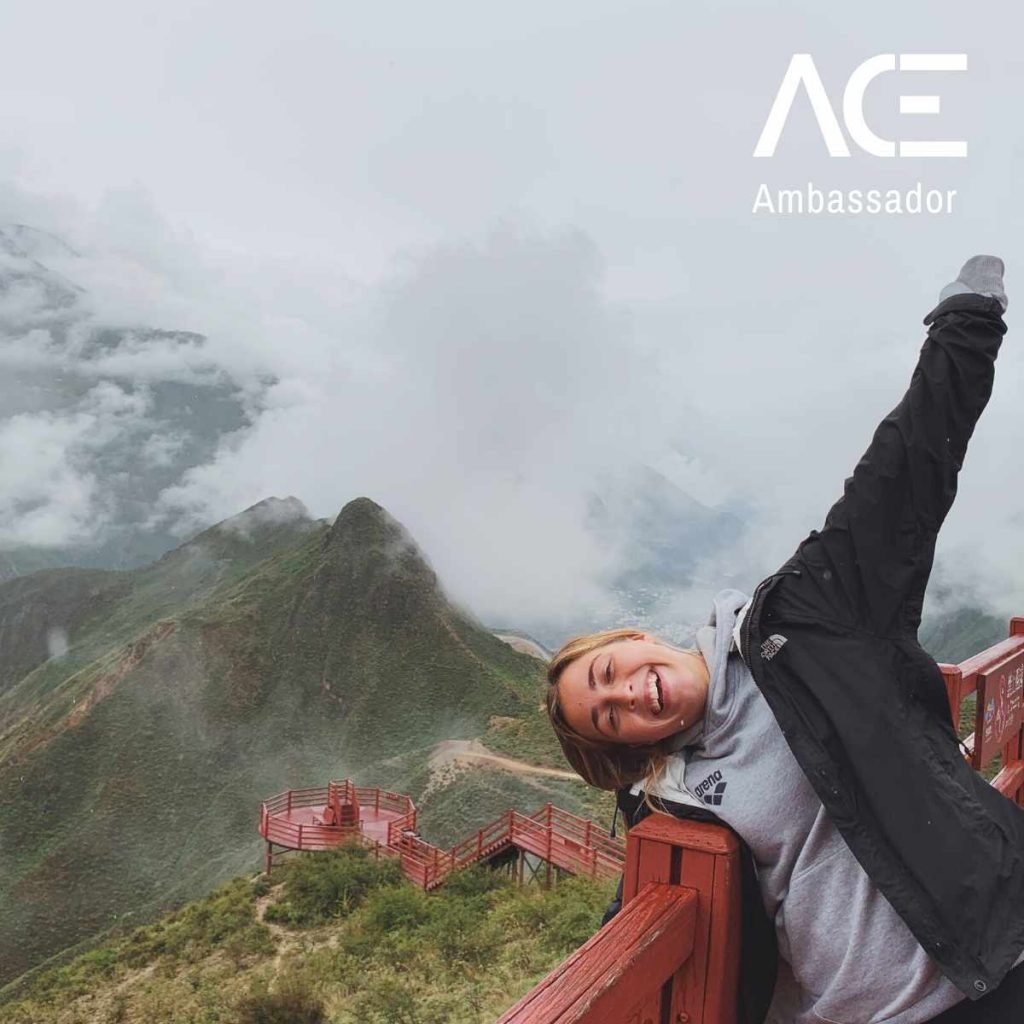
pixel 831 642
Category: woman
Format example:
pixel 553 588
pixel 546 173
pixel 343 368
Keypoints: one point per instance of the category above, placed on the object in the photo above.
pixel 809 720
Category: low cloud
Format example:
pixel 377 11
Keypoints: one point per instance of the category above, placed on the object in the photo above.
pixel 482 391
pixel 50 489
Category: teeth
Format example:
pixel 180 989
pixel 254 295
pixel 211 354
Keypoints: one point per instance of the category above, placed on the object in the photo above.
pixel 654 700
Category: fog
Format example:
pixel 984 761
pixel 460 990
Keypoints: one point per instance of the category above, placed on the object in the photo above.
pixel 476 261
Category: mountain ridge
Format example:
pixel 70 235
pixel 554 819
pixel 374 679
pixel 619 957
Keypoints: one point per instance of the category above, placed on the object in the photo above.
pixel 131 765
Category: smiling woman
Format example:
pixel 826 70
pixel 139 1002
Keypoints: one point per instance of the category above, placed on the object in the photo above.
pixel 798 708
pixel 618 699
pixel 635 690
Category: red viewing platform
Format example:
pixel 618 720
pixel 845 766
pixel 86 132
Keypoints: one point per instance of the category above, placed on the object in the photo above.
pixel 326 816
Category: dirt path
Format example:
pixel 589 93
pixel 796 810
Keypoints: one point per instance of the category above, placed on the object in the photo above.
pixel 451 752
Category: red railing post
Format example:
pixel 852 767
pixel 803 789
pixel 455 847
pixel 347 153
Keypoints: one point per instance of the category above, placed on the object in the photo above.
pixel 672 953
pixel 300 835
pixel 706 858
pixel 549 831
pixel 289 801
pixel 953 679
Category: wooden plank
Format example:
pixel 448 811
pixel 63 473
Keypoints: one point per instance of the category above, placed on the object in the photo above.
pixel 953 678
pixel 1010 779
pixel 629 872
pixel 720 1002
pixel 648 1011
pixel 697 872
pixel 692 835
pixel 655 864
pixel 1000 707
pixel 618 969
pixel 645 862
pixel 987 658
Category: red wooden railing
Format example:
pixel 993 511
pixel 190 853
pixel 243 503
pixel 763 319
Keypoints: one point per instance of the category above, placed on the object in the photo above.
pixel 550 833
pixel 562 839
pixel 671 954
pixel 996 676
pixel 277 829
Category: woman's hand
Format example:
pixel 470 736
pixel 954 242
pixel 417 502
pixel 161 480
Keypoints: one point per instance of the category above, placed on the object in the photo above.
pixel 982 275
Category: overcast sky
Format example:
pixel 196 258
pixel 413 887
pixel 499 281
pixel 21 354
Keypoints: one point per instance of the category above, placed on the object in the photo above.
pixel 490 251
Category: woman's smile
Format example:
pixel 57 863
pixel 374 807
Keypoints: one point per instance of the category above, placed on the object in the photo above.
pixel 634 691
pixel 655 699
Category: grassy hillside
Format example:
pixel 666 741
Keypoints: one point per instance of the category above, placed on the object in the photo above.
pixel 254 659
pixel 956 636
pixel 332 937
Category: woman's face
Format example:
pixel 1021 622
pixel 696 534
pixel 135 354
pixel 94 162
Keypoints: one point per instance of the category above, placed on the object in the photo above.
pixel 633 691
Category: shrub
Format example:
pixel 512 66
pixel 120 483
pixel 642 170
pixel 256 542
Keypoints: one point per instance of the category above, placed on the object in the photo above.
pixel 459 931
pixel 400 907
pixel 387 1001
pixel 225 918
pixel 476 881
pixel 324 886
pixel 292 1005
pixel 571 914
pixel 261 886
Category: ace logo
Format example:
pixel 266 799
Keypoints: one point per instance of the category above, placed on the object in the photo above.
pixel 801 71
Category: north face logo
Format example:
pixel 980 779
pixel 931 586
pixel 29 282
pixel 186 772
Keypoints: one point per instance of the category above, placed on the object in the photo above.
pixel 712 789
pixel 772 646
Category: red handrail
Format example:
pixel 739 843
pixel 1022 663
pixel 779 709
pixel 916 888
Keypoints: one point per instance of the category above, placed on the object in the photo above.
pixel 973 676
pixel 563 839
pixel 672 953
pixel 623 965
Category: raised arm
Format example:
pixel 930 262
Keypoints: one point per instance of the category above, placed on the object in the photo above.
pixel 873 556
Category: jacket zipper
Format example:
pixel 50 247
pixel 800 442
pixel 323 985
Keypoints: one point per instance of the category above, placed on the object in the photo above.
pixel 755 603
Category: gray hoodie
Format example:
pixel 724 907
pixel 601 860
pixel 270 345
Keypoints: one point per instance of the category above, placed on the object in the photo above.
pixel 846 957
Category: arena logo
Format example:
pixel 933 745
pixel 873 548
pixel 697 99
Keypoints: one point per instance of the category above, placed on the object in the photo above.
pixel 802 71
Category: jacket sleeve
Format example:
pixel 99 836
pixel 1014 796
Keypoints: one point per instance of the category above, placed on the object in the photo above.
pixel 871 560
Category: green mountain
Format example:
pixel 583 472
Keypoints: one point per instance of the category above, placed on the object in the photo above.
pixel 957 635
pixel 270 652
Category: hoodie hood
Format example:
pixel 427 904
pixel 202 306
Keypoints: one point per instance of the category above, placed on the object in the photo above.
pixel 716 641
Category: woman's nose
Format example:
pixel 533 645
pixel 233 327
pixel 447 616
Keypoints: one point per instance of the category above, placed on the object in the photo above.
pixel 627 695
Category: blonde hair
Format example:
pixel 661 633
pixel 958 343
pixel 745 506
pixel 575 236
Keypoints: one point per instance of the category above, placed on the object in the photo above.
pixel 603 764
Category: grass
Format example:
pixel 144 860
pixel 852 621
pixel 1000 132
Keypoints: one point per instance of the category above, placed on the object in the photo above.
pixel 344 939
pixel 528 737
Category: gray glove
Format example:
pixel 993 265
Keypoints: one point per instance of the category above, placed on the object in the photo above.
pixel 982 275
